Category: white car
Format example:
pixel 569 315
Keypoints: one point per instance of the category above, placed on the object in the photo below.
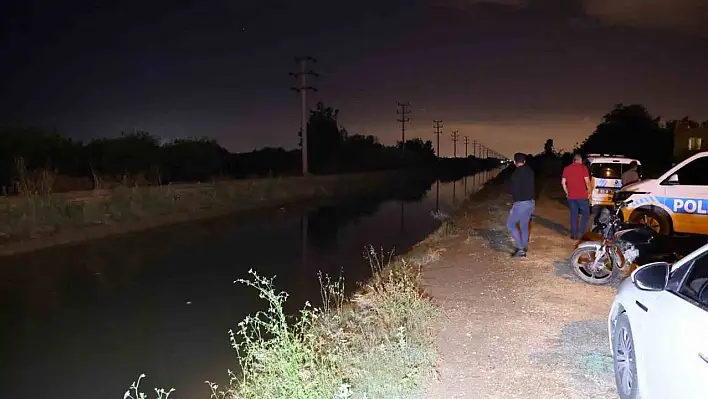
pixel 676 202
pixel 606 177
pixel 658 330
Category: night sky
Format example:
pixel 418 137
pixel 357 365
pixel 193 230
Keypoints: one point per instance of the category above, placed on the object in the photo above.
pixel 510 73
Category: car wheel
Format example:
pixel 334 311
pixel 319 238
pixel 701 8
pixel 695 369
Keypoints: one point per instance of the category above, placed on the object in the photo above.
pixel 652 220
pixel 623 359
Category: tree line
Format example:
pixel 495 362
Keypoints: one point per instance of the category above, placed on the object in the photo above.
pixel 632 131
pixel 141 158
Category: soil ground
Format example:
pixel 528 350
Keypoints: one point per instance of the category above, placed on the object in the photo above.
pixel 515 328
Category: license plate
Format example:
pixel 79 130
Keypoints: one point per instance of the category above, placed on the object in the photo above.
pixel 604 191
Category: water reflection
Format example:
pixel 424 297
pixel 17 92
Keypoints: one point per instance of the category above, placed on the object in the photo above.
pixel 454 195
pixel 403 216
pixel 303 237
pixel 83 321
pixel 437 195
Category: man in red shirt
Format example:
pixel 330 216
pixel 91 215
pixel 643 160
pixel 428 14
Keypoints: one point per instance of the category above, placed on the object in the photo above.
pixel 576 184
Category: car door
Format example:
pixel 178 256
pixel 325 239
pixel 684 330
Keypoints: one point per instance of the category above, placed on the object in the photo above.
pixel 676 336
pixel 686 196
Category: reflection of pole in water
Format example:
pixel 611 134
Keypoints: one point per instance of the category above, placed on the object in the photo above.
pixel 437 195
pixel 454 195
pixel 303 238
pixel 465 186
pixel 403 218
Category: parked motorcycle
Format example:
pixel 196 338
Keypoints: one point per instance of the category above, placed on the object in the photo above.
pixel 619 246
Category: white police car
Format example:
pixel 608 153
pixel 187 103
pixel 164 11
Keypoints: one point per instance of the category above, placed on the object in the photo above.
pixel 676 202
pixel 658 330
pixel 606 177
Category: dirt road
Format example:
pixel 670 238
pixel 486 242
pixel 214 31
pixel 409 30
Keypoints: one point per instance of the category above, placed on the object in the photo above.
pixel 517 328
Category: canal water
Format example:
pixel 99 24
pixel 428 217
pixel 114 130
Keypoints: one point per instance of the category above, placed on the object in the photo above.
pixel 84 321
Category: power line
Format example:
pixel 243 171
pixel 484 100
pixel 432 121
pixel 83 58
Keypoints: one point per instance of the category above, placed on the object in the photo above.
pixel 403 112
pixel 467 142
pixel 303 89
pixel 438 125
pixel 455 135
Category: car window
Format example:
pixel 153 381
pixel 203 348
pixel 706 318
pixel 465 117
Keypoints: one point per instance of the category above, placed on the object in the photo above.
pixel 693 173
pixel 695 286
pixel 606 170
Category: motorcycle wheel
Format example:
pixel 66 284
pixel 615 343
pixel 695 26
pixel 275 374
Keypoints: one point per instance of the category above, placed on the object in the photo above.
pixel 582 258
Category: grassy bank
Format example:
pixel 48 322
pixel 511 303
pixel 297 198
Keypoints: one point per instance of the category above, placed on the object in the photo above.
pixel 34 221
pixel 377 344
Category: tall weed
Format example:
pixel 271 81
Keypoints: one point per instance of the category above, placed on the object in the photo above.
pixel 377 345
pixel 134 391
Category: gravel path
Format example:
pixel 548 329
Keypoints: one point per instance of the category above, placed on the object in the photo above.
pixel 516 328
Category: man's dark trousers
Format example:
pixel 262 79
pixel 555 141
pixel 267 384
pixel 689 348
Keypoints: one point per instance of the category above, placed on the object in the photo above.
pixel 582 206
pixel 520 214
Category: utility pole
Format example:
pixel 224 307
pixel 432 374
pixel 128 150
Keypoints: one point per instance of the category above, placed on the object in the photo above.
pixel 403 112
pixel 303 88
pixel 474 148
pixel 455 136
pixel 467 142
pixel 438 125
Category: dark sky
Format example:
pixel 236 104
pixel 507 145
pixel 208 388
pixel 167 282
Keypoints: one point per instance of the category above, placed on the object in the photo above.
pixel 510 73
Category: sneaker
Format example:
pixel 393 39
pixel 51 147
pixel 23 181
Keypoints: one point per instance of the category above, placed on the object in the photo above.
pixel 519 253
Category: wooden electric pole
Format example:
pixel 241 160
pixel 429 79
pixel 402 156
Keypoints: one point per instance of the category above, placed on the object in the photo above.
pixel 303 88
pixel 455 135
pixel 403 112
pixel 467 142
pixel 438 125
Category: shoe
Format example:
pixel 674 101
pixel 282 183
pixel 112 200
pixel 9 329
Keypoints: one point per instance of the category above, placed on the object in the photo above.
pixel 519 253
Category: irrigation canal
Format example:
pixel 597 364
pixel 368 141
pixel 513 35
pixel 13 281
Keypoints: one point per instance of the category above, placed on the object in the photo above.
pixel 84 321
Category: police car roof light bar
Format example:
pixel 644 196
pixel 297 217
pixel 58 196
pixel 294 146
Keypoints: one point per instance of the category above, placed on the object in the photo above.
pixel 606 155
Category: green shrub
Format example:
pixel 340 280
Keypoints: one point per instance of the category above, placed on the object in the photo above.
pixel 378 345
pixel 134 391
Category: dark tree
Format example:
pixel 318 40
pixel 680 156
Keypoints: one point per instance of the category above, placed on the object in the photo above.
pixel 126 155
pixel 548 147
pixel 631 131
pixel 324 138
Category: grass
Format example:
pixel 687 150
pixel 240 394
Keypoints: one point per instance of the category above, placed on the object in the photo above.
pixel 377 344
pixel 42 213
pixel 38 212
pixel 33 214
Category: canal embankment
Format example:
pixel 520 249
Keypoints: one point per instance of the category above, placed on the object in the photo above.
pixel 378 343
pixel 515 328
pixel 33 222
pixel 162 301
